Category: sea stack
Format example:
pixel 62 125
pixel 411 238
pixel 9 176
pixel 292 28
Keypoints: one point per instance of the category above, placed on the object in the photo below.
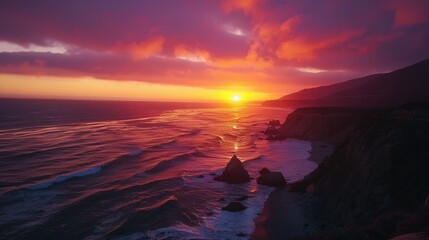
pixel 234 207
pixel 273 179
pixel 271 130
pixel 274 122
pixel 234 172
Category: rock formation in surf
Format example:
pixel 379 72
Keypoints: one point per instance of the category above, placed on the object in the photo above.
pixel 274 122
pixel 234 207
pixel 234 172
pixel 273 179
pixel 271 130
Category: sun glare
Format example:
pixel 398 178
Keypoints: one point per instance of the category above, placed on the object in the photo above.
pixel 235 98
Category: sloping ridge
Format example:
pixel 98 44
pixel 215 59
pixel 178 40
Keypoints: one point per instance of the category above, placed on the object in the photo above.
pixel 326 91
pixel 386 89
pixel 405 82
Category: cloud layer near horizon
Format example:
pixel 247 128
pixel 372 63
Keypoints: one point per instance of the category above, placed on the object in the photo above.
pixel 268 45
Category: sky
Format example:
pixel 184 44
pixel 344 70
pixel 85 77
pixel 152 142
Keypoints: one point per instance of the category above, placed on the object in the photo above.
pixel 201 50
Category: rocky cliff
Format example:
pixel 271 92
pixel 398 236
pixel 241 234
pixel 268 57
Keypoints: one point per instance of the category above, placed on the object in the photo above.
pixel 326 124
pixel 377 179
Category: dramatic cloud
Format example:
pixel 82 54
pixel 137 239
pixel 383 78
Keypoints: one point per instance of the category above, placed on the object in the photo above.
pixel 273 45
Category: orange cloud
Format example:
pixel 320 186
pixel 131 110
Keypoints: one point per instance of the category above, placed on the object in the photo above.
pixel 147 48
pixel 300 48
pixel 295 49
pixel 193 55
pixel 268 31
pixel 252 59
pixel 245 5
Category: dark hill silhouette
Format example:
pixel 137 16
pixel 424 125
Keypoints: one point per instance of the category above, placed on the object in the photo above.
pixel 326 91
pixel 409 84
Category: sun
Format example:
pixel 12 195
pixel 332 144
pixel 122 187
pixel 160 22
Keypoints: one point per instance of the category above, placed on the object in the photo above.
pixel 235 98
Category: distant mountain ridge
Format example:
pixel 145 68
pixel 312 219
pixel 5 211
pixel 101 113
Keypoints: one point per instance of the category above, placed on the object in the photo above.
pixel 409 84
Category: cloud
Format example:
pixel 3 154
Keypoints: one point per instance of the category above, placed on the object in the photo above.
pixel 244 5
pixel 195 55
pixel 146 48
pixel 267 43
pixel 409 13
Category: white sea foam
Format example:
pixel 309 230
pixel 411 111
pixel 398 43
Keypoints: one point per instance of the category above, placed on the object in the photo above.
pixel 289 157
pixel 174 232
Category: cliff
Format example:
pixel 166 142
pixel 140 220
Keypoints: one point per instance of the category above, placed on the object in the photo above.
pixel 326 124
pixel 376 181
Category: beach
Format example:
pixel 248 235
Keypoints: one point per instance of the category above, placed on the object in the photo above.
pixel 287 215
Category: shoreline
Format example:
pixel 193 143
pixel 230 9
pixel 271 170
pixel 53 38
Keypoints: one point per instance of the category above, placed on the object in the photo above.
pixel 287 214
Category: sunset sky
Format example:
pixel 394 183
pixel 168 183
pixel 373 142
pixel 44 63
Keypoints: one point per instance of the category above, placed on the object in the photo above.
pixel 201 50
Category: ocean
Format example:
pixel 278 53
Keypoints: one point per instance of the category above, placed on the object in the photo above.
pixel 135 170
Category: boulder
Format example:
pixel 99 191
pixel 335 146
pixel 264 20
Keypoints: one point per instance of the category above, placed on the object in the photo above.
pixel 273 137
pixel 273 179
pixel 264 171
pixel 271 130
pixel 274 123
pixel 234 207
pixel 234 172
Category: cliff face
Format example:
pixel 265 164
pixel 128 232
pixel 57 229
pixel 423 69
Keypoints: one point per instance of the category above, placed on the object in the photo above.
pixel 325 124
pixel 380 164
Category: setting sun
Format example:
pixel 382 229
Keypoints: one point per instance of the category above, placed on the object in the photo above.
pixel 235 98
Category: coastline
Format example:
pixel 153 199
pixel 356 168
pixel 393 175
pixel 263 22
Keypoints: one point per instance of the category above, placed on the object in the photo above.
pixel 286 215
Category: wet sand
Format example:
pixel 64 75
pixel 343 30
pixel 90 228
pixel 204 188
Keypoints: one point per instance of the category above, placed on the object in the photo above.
pixel 287 215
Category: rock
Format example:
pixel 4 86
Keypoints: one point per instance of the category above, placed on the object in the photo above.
pixel 274 123
pixel 273 179
pixel 271 130
pixel 234 207
pixel 273 137
pixel 234 172
pixel 241 234
pixel 264 171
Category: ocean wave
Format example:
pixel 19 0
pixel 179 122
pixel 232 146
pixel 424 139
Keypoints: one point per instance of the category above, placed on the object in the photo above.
pixel 174 232
pixel 167 144
pixel 172 184
pixel 135 152
pixel 63 178
pixel 193 132
pixel 230 135
pixel 165 164
pixel 85 172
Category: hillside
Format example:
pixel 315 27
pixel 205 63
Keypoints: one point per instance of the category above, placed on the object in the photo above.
pixel 326 91
pixel 392 89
